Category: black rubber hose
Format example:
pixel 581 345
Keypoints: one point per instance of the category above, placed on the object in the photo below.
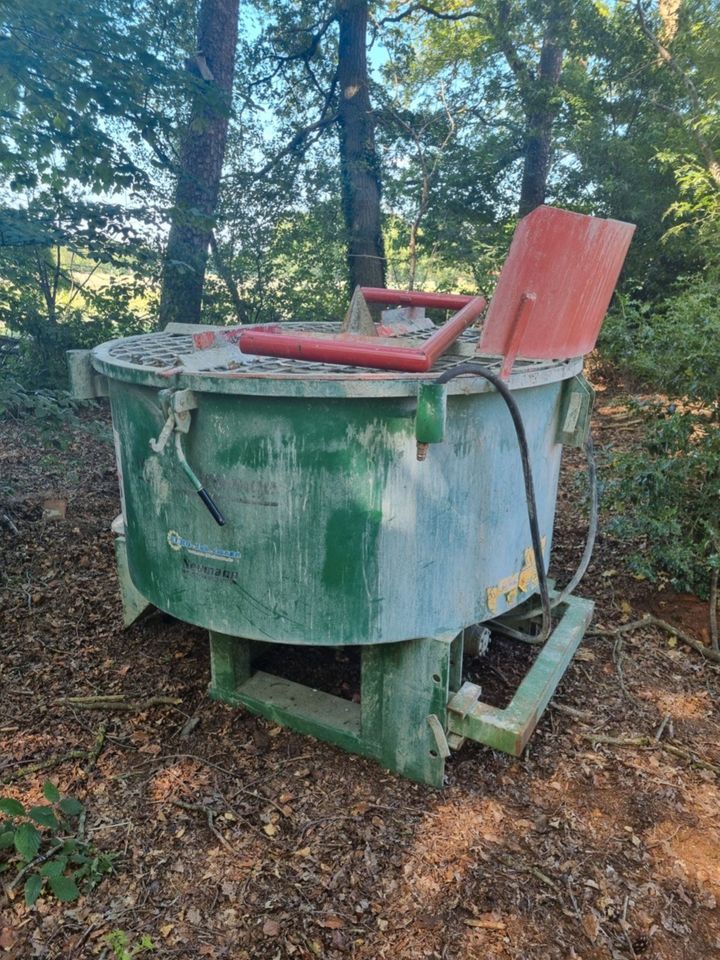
pixel 215 512
pixel 476 369
pixel 590 537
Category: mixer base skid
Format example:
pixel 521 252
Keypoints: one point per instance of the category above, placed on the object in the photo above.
pixel 509 729
pixel 402 686
pixel 413 705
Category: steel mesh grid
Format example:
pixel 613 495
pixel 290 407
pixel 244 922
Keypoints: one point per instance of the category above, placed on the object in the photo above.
pixel 164 351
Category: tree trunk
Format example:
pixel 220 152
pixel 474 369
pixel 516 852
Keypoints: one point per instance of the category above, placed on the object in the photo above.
pixel 200 165
pixel 359 165
pixel 541 111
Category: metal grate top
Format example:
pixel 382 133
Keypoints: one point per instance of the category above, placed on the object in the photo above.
pixel 170 359
pixel 165 352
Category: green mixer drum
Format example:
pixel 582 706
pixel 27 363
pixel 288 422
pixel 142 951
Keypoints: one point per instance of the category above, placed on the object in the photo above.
pixel 336 533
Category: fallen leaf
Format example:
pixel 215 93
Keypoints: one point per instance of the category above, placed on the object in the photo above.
pixel 485 924
pixel 166 930
pixel 54 509
pixel 270 829
pixel 586 656
pixel 331 923
pixel 271 928
pixel 591 926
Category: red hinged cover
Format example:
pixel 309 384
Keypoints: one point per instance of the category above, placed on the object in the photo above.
pixel 555 286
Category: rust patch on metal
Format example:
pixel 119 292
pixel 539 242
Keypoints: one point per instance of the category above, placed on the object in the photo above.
pixel 521 582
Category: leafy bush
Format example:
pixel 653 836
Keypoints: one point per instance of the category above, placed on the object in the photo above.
pixel 122 949
pixel 104 313
pixel 53 412
pixel 43 845
pixel 673 347
pixel 666 494
pixel 665 497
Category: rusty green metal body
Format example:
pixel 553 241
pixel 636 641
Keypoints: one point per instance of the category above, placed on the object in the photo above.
pixel 335 532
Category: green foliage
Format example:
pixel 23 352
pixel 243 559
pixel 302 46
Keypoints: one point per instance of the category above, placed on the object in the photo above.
pixel 78 317
pixel 122 949
pixel 44 846
pixel 291 262
pixel 92 97
pixel 79 85
pixel 666 493
pixel 673 347
pixel 664 497
pixel 53 412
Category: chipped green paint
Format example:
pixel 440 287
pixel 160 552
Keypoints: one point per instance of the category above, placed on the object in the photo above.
pixel 134 603
pixel 431 413
pixel 412 704
pixel 575 412
pixel 335 533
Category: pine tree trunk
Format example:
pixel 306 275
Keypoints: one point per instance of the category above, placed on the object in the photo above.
pixel 200 165
pixel 359 164
pixel 541 114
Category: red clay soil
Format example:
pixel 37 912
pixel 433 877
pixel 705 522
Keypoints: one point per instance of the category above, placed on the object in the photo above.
pixel 237 839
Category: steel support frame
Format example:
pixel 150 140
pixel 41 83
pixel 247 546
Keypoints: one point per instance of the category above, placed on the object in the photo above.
pixel 509 729
pixel 414 707
pixel 402 686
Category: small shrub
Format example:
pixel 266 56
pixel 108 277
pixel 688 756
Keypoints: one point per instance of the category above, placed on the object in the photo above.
pixel 43 846
pixel 665 494
pixel 122 949
pixel 673 347
pixel 664 497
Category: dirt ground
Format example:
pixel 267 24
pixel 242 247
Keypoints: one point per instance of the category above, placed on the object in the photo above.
pixel 237 839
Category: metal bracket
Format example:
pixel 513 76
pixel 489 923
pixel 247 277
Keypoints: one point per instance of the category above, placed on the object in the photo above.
pixel 430 417
pixel 439 734
pixel 577 403
pixel 465 699
pixel 85 382
pixel 158 445
pixel 177 404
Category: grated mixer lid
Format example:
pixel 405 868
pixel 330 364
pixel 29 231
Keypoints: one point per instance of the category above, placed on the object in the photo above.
pixel 157 359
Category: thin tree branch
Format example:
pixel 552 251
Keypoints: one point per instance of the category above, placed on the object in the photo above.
pixel 712 617
pixel 645 743
pixel 650 621
pixel 301 137
pixel 431 12
pixel 711 161
pixel 227 278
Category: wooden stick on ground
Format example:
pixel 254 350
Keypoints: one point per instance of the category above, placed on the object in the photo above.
pixel 210 816
pixel 90 756
pixel 646 743
pixel 112 702
pixel 713 618
pixel 651 621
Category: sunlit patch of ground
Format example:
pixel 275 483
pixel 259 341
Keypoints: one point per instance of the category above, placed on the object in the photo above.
pixel 182 780
pixel 678 706
pixel 691 854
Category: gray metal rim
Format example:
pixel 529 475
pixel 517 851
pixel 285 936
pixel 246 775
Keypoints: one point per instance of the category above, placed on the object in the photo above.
pixel 154 360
